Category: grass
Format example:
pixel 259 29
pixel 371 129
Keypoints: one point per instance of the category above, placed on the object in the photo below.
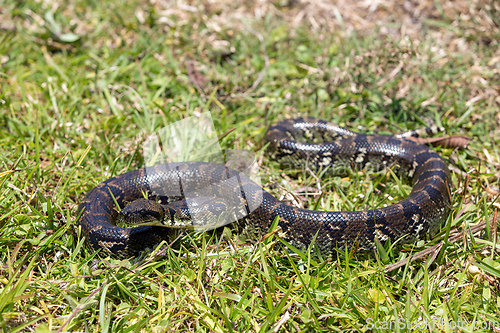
pixel 80 82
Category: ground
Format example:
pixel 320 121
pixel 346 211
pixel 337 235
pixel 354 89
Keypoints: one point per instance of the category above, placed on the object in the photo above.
pixel 82 82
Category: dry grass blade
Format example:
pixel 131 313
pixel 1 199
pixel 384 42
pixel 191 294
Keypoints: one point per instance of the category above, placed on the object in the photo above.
pixel 457 235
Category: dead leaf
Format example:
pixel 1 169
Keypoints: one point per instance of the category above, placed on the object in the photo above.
pixel 196 78
pixel 453 141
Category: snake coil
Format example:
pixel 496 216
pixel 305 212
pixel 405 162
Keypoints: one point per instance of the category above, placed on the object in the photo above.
pixel 298 142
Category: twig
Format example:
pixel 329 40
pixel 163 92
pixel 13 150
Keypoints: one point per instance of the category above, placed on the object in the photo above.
pixel 434 249
pixel 78 308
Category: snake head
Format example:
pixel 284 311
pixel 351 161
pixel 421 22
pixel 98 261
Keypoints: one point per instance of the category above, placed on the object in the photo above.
pixel 142 212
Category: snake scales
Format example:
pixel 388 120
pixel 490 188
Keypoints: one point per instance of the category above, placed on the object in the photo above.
pixel 301 141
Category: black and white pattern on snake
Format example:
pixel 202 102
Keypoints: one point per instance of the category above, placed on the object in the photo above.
pixel 294 142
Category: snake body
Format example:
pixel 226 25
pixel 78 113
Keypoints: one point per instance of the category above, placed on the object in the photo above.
pixel 309 142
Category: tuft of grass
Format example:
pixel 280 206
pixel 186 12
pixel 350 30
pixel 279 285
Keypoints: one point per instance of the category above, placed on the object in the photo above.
pixel 82 81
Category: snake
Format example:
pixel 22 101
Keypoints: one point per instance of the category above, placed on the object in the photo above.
pixel 294 143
